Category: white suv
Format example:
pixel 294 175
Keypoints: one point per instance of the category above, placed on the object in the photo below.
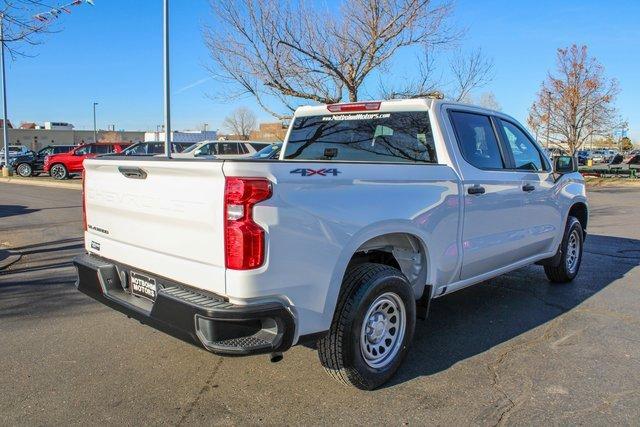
pixel 222 149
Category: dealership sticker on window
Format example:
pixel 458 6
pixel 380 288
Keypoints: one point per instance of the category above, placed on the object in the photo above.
pixel 361 116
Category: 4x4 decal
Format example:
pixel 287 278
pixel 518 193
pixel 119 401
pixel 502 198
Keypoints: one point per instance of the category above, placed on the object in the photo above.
pixel 321 172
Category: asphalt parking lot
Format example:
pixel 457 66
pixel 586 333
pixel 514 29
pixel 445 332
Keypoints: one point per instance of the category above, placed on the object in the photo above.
pixel 514 350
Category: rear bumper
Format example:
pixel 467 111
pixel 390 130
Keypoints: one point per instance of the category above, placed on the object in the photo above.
pixel 194 316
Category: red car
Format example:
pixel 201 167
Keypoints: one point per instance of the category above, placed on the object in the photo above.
pixel 60 166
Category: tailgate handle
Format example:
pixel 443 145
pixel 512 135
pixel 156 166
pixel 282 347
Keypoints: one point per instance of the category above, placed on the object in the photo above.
pixel 133 173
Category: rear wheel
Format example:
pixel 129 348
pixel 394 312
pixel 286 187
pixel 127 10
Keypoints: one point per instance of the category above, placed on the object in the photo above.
pixel 59 171
pixel 571 247
pixel 372 327
pixel 24 170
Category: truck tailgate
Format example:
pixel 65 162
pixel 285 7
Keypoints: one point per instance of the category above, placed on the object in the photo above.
pixel 162 217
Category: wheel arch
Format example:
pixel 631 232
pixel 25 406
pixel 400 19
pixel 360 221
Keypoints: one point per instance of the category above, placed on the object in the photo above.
pixel 378 240
pixel 580 210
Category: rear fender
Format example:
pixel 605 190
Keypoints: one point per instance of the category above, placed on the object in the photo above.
pixel 368 233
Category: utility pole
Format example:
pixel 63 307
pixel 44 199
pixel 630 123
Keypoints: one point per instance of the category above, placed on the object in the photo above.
pixel 6 170
pixel 167 103
pixel 95 131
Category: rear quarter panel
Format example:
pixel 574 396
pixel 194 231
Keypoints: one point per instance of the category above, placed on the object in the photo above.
pixel 315 223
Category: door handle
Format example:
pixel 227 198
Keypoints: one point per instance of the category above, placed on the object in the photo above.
pixel 528 188
pixel 476 189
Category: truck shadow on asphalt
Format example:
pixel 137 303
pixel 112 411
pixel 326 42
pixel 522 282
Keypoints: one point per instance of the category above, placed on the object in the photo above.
pixel 13 210
pixel 41 283
pixel 461 325
pixel 476 319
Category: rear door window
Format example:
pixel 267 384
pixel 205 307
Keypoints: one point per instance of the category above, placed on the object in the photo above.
pixel 397 137
pixel 226 148
pixel 87 149
pixel 103 149
pixel 525 155
pixel 477 140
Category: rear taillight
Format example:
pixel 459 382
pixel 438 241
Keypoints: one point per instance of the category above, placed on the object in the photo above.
pixel 84 204
pixel 354 106
pixel 243 238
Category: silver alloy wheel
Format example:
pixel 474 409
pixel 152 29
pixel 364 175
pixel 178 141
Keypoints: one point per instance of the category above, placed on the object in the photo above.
pixel 58 172
pixel 382 330
pixel 24 169
pixel 573 251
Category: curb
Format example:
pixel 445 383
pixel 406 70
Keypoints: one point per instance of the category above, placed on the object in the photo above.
pixel 36 182
pixel 7 259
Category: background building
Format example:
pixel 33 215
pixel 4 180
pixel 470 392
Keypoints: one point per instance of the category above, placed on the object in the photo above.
pixel 270 132
pixel 36 137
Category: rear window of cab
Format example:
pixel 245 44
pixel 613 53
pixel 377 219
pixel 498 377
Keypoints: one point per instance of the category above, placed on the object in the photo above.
pixel 394 137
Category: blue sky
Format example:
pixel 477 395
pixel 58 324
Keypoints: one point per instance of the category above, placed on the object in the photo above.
pixel 112 54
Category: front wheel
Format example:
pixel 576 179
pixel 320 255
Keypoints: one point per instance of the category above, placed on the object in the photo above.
pixel 24 170
pixel 571 247
pixel 372 327
pixel 59 171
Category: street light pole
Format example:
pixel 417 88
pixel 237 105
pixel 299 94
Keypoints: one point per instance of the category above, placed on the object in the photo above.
pixel 5 123
pixel 95 131
pixel 167 103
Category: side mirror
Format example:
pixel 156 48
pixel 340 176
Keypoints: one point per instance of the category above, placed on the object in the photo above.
pixel 198 152
pixel 565 164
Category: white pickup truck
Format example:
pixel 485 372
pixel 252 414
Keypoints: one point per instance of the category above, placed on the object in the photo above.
pixel 372 210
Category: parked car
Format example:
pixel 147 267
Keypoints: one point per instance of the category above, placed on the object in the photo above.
pixel 223 149
pixel 610 154
pixel 60 166
pixel 598 156
pixel 633 160
pixel 583 156
pixel 14 151
pixel 553 152
pixel 374 209
pixel 32 163
pixel 269 152
pixel 631 155
pixel 154 148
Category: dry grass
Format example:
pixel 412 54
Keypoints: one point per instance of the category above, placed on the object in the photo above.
pixel 593 181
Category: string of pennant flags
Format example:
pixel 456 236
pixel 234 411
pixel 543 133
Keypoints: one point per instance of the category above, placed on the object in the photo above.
pixel 57 11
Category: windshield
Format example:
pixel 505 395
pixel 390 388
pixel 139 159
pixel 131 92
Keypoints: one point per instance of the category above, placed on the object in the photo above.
pixel 135 149
pixel 13 149
pixel 267 152
pixel 148 149
pixel 399 137
pixel 190 148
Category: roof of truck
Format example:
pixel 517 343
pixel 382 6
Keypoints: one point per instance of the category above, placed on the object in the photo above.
pixel 383 106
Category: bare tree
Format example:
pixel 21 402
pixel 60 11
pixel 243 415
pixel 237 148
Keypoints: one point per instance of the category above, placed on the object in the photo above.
pixel 24 20
pixel 576 102
pixel 240 122
pixel 293 52
pixel 470 72
pixel 488 100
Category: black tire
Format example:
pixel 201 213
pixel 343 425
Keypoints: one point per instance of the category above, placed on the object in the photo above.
pixel 24 170
pixel 568 267
pixel 59 171
pixel 341 352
